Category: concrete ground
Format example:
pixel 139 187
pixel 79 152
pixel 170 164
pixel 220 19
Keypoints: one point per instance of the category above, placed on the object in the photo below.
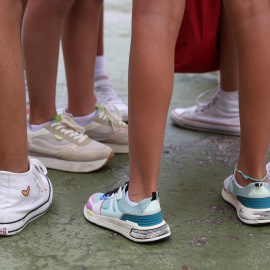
pixel 206 233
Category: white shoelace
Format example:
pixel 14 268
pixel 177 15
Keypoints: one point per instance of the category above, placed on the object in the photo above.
pixel 213 97
pixel 38 169
pixel 108 116
pixel 69 127
pixel 201 106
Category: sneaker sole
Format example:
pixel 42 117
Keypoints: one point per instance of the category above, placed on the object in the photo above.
pixel 247 215
pixel 73 166
pixel 130 229
pixel 119 148
pixel 8 229
pixel 197 125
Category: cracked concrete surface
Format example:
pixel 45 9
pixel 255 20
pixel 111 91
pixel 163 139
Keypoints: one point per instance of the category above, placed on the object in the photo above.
pixel 206 233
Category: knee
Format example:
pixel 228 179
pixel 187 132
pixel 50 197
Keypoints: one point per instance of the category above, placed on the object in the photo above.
pixel 249 10
pixel 11 10
pixel 164 17
pixel 59 7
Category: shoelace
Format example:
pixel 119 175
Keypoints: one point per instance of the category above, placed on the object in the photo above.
pixel 38 169
pixel 69 127
pixel 213 97
pixel 107 115
pixel 201 106
pixel 117 193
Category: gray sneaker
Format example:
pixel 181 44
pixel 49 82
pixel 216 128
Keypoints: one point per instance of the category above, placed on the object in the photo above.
pixel 108 128
pixel 63 145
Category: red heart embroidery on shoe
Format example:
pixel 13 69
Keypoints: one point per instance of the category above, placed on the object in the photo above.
pixel 26 192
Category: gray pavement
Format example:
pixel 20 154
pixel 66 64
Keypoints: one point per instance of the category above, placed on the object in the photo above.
pixel 206 233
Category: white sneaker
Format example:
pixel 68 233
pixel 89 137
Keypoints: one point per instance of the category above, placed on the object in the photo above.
pixel 63 145
pixel 23 197
pixel 219 114
pixel 105 95
pixel 108 128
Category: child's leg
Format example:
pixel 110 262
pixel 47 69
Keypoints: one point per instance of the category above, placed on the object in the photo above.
pixel 154 32
pixel 134 210
pixel 79 41
pixel 227 55
pixel 42 26
pixel 100 45
pixel 251 23
pixel 103 89
pixel 26 193
pixel 219 113
pixel 13 150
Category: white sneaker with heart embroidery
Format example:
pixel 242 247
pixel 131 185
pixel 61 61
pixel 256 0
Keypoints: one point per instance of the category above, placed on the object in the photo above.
pixel 23 197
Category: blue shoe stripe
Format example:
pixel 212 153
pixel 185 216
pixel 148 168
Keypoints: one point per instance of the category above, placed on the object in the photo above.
pixel 144 221
pixel 255 203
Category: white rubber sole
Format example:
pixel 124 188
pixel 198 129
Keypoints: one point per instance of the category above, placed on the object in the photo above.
pixel 73 166
pixel 8 229
pixel 247 215
pixel 129 229
pixel 208 127
pixel 118 148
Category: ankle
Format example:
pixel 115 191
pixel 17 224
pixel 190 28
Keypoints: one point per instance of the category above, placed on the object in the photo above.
pixel 243 176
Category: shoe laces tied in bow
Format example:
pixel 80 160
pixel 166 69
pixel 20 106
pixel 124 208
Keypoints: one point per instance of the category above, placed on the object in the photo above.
pixel 68 126
pixel 107 115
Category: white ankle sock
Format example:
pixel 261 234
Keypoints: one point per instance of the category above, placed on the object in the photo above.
pixel 85 120
pixel 99 68
pixel 129 201
pixel 37 127
pixel 228 102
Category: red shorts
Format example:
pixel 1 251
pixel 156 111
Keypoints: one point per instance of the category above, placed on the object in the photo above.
pixel 196 49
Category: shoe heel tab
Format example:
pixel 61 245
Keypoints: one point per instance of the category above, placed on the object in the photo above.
pixel 155 196
pixel 260 190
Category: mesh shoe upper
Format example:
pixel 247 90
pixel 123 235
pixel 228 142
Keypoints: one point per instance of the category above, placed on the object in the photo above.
pixel 114 204
pixel 108 127
pixel 65 139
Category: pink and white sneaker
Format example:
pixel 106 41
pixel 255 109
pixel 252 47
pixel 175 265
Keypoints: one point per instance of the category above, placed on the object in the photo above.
pixel 23 197
pixel 63 145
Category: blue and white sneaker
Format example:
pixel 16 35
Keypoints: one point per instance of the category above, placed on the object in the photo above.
pixel 140 223
pixel 252 202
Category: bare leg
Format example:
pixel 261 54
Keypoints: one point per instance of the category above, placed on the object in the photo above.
pixel 80 49
pixel 155 28
pixel 100 47
pixel 42 27
pixel 13 150
pixel 251 23
pixel 227 56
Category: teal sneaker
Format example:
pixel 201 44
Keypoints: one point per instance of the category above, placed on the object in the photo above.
pixel 140 223
pixel 252 202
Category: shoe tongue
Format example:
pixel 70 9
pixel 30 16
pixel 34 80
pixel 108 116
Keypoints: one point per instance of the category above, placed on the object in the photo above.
pixel 57 118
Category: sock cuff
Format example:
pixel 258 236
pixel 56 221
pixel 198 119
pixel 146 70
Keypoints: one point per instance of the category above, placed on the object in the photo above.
pixel 99 67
